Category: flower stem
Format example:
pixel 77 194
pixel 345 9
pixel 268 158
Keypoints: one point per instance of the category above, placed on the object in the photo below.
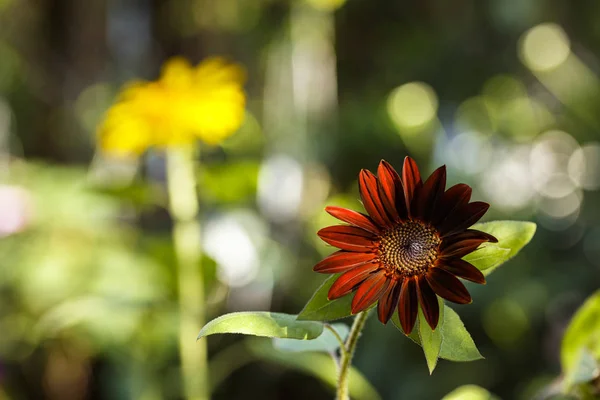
pixel 346 363
pixel 183 206
pixel 337 337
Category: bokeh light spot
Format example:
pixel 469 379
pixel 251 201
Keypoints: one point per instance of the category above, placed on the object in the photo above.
pixel 280 187
pixel 412 105
pixel 502 88
pixel 16 208
pixel 508 183
pixel 544 47
pixel 234 246
pixel 470 151
pixel 469 392
pixel 505 322
pixel 549 159
pixel 474 114
pixel 584 166
pixel 561 212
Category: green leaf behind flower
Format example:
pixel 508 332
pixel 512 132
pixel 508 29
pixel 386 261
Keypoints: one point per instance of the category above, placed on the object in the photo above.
pixel 431 340
pixel 326 342
pixel 512 237
pixel 457 344
pixel 320 308
pixel 265 324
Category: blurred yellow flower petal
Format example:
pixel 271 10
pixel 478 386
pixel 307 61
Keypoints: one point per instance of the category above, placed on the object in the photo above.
pixel 177 73
pixel 123 132
pixel 216 70
pixel 187 103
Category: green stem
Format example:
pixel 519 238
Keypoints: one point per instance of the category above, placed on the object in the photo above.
pixel 350 347
pixel 183 206
pixel 337 337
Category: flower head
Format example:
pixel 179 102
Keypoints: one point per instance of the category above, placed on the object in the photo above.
pixel 186 103
pixel 409 247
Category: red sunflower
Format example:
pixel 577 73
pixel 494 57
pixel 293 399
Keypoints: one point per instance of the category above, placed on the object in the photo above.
pixel 409 247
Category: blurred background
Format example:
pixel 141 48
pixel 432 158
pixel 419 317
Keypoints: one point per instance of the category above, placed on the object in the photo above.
pixel 504 92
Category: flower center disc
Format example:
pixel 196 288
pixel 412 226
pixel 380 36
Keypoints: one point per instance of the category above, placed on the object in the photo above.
pixel 409 248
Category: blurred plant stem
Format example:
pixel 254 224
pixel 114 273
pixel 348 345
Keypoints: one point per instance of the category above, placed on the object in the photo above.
pixel 346 362
pixel 183 206
pixel 342 345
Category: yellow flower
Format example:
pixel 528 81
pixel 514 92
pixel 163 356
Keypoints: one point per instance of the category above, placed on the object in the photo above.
pixel 185 104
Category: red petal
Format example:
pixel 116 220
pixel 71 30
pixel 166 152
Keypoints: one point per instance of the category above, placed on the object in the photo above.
pixel 369 291
pixel 463 269
pixel 429 302
pixel 470 234
pixel 348 238
pixel 341 261
pixel 448 286
pixel 460 249
pixel 350 280
pixel 463 243
pixel 388 302
pixel 389 179
pixel 411 178
pixel 354 218
pixel 430 194
pixel 408 306
pixel 390 189
pixel 453 199
pixel 464 218
pixel 367 183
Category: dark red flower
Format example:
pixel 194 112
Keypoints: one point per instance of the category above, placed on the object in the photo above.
pixel 409 247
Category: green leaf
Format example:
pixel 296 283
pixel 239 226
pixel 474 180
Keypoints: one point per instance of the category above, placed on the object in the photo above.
pixel 512 236
pixel 457 344
pixel 431 340
pixel 263 324
pixel 470 392
pixel 414 335
pixel 320 308
pixel 582 334
pixel 326 342
pixel 488 257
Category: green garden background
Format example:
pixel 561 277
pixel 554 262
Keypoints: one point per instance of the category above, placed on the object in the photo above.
pixel 506 93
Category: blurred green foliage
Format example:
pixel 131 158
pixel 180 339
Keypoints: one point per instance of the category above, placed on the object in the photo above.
pixel 87 293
